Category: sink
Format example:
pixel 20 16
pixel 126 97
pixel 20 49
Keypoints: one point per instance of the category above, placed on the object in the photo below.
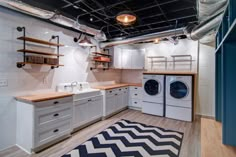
pixel 80 90
pixel 86 93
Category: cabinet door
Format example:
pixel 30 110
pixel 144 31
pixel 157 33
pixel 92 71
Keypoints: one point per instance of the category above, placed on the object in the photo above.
pixel 110 104
pixel 80 112
pixel 125 98
pixel 126 58
pixel 95 108
pixel 117 58
pixel 118 101
pixel 138 59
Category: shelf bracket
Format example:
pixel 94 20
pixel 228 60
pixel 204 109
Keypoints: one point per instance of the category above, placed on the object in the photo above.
pixel 20 65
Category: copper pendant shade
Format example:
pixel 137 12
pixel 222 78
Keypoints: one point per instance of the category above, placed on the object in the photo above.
pixel 85 42
pixel 126 18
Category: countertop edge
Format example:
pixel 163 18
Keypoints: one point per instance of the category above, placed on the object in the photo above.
pixel 43 98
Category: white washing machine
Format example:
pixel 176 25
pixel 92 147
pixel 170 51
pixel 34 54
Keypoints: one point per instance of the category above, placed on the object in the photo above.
pixel 179 97
pixel 153 94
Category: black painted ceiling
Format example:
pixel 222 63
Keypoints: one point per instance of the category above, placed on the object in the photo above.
pixel 153 15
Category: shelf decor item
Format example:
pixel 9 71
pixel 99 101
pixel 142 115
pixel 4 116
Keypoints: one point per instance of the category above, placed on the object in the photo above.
pixel 38 57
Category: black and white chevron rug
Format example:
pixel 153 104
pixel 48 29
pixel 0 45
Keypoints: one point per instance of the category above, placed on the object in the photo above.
pixel 126 139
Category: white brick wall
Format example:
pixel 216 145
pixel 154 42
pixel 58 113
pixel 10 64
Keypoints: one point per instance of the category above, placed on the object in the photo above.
pixel 29 79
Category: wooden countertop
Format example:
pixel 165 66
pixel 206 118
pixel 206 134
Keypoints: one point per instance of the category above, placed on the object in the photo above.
pixel 107 87
pixel 171 72
pixel 43 97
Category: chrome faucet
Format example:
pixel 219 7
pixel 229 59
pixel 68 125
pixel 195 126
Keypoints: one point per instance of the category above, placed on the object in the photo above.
pixel 73 84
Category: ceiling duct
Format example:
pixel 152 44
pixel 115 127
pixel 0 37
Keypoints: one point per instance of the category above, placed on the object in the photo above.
pixel 48 15
pixel 151 36
pixel 27 9
pixel 197 32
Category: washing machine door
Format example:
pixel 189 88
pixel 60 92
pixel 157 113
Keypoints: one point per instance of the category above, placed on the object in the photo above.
pixel 179 90
pixel 152 87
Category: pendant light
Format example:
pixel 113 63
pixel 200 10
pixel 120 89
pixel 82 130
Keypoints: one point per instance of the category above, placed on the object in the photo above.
pixel 85 42
pixel 126 18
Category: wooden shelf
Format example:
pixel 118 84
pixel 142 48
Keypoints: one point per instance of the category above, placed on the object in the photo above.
pixel 34 40
pixel 38 52
pixel 26 63
pixel 102 54
pixel 96 60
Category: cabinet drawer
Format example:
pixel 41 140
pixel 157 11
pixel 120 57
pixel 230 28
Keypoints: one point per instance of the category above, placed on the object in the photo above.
pixel 110 92
pixel 53 102
pixel 50 132
pixel 135 88
pixel 135 94
pixel 53 113
pixel 136 103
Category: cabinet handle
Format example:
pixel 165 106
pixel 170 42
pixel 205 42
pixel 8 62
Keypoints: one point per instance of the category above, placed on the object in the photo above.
pixel 135 102
pixel 116 94
pixel 110 91
pixel 90 100
pixel 56 130
pixel 55 115
pixel 135 94
pixel 135 88
pixel 119 89
pixel 56 102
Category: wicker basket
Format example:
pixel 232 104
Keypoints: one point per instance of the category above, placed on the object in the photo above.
pixel 52 61
pixel 34 59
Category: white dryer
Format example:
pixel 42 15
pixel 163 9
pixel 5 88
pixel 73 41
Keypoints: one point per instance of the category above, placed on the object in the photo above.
pixel 179 97
pixel 153 94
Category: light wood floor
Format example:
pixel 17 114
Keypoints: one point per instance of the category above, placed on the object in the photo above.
pixel 211 140
pixel 190 146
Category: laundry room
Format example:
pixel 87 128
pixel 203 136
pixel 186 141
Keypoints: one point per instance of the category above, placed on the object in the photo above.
pixel 136 78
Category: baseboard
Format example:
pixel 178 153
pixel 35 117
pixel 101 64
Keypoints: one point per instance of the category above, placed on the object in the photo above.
pixel 3 149
pixel 205 116
pixel 134 108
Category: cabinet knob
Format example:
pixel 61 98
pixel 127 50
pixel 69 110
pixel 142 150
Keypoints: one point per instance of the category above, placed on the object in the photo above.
pixel 135 94
pixel 116 94
pixel 135 88
pixel 90 100
pixel 55 115
pixel 56 102
pixel 56 130
pixel 135 102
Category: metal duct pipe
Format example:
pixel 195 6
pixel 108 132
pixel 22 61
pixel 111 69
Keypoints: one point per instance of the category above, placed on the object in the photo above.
pixel 48 15
pixel 144 37
pixel 196 32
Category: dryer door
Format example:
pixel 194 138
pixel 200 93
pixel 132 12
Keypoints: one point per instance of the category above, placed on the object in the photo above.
pixel 152 87
pixel 179 90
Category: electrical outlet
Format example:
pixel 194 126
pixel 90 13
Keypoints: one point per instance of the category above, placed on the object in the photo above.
pixel 3 83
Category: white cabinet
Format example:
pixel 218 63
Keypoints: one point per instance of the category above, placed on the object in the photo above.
pixel 117 54
pixel 128 58
pixel 115 100
pixel 138 59
pixel 135 97
pixel 125 97
pixel 87 110
pixel 43 123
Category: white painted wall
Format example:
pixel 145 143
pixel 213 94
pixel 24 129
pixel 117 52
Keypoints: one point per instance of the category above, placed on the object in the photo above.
pixel 206 85
pixel 166 49
pixel 29 79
